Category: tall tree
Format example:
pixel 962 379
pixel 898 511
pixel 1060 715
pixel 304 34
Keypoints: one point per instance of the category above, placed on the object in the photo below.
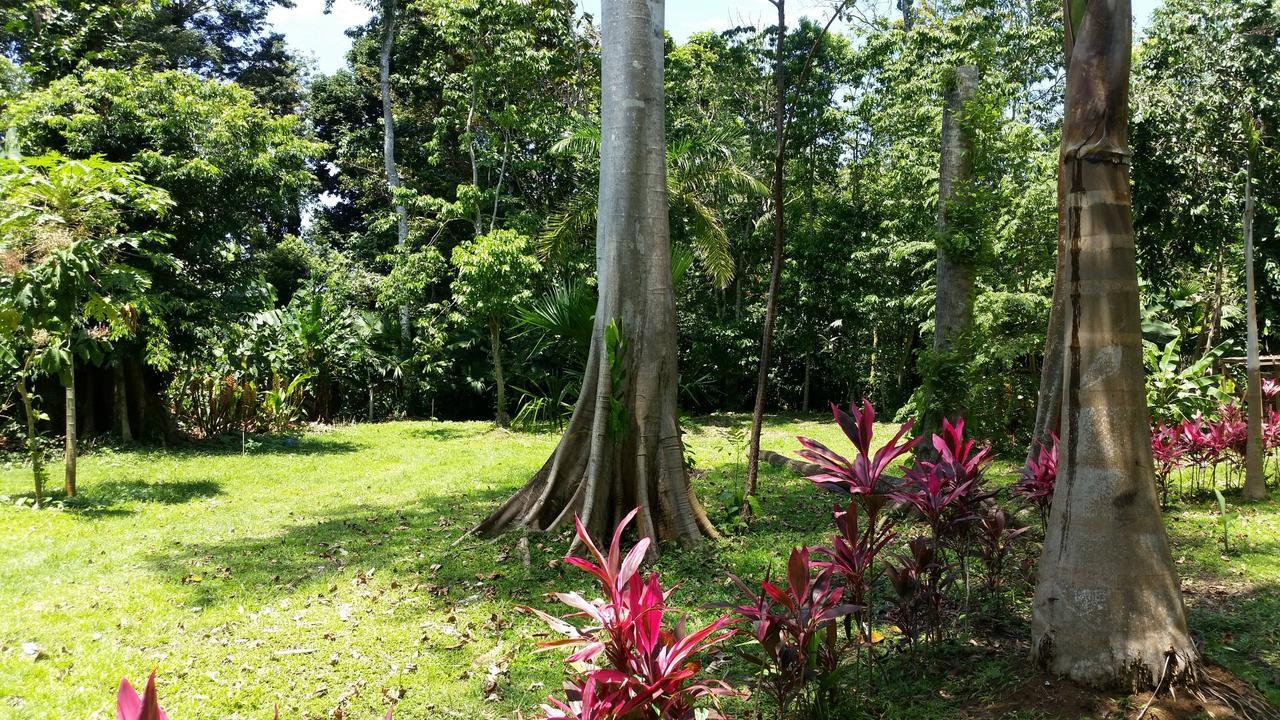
pixel 389 145
pixel 1255 482
pixel 954 279
pixel 778 195
pixel 1108 607
pixel 622 448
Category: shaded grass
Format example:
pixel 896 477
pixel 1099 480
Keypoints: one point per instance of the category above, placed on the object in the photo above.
pixel 318 572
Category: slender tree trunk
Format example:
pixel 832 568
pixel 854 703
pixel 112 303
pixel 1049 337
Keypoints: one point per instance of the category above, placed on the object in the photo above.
pixel 33 440
pixel 808 371
pixel 779 240
pixel 907 14
pixel 389 145
pixel 953 300
pixel 603 469
pixel 1108 608
pixel 69 447
pixel 1255 482
pixel 1213 321
pixel 121 402
pixel 1049 398
pixel 495 349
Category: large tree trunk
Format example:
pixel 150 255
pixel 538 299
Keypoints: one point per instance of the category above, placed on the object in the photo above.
pixel 779 192
pixel 69 447
pixel 622 448
pixel 1108 608
pixel 389 144
pixel 953 299
pixel 1255 482
pixel 495 348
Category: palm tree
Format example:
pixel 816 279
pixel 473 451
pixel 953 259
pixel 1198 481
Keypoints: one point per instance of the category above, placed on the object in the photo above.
pixel 1108 609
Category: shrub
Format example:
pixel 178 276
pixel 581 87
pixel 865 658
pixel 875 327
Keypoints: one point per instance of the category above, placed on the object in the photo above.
pixel 866 474
pixel 1037 479
pixel 795 629
pixel 853 553
pixel 650 672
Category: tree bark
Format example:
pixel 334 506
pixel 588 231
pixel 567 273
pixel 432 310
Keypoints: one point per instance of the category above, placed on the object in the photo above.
pixel 69 447
pixel 121 402
pixel 953 299
pixel 779 240
pixel 1213 321
pixel 1255 482
pixel 1108 609
pixel 603 469
pixel 1049 397
pixel 389 145
pixel 34 453
pixel 495 348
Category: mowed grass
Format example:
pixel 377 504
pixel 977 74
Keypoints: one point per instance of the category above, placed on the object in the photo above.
pixel 319 572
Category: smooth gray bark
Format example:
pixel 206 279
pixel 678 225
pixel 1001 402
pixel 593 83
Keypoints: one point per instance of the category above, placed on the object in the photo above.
pixel 389 143
pixel 1108 608
pixel 954 279
pixel 953 303
pixel 1255 483
pixel 1049 397
pixel 596 472
pixel 69 447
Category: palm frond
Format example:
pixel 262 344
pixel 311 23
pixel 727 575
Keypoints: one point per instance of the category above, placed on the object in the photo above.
pixel 566 311
pixel 710 241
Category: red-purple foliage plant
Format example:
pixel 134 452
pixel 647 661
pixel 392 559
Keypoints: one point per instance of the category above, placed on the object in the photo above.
pixel 1037 479
pixel 650 672
pixel 795 628
pixel 853 553
pixel 866 474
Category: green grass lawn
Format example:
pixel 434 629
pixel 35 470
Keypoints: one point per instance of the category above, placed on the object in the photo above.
pixel 318 572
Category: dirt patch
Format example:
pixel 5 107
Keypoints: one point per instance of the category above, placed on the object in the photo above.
pixel 1222 696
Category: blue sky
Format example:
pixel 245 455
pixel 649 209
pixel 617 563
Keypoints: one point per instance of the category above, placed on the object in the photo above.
pixel 312 33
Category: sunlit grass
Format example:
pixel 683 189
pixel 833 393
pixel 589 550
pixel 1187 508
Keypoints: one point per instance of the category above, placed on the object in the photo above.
pixel 319 571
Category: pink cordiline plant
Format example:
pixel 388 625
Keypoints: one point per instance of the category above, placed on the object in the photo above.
pixel 647 671
pixel 1038 478
pixel 867 473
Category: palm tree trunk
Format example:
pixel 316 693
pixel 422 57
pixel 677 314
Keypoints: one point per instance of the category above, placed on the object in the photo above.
pixel 1255 483
pixel 601 470
pixel 1108 608
pixel 69 448
pixel 1049 398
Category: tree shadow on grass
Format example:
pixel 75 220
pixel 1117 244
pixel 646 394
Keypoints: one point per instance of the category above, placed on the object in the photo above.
pixel 300 443
pixel 104 499
pixel 405 542
pixel 452 431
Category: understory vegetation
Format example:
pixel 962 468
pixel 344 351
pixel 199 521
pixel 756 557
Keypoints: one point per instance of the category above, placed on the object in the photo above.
pixel 316 571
